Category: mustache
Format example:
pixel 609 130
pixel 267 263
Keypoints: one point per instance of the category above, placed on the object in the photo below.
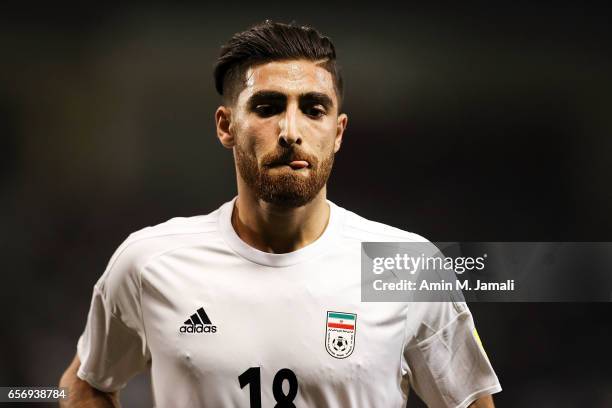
pixel 287 155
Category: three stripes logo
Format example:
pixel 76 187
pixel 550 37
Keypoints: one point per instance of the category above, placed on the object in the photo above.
pixel 198 323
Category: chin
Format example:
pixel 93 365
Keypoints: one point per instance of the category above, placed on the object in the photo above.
pixel 287 200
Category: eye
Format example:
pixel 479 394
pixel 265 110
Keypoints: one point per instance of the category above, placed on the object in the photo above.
pixel 315 111
pixel 266 110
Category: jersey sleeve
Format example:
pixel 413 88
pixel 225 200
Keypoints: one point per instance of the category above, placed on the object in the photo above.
pixel 113 347
pixel 444 358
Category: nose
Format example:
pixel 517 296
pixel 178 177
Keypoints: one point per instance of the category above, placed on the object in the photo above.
pixel 289 127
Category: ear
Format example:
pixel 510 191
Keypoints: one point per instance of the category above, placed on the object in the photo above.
pixel 223 121
pixel 340 128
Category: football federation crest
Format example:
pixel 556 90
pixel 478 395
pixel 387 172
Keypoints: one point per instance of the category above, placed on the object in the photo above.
pixel 340 334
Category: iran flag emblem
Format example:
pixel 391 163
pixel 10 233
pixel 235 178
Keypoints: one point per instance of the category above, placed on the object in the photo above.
pixel 340 334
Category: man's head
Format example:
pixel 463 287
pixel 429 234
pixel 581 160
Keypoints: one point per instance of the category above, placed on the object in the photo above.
pixel 270 41
pixel 281 98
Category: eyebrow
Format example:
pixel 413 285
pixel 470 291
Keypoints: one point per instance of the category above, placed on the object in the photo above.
pixel 274 96
pixel 265 96
pixel 317 97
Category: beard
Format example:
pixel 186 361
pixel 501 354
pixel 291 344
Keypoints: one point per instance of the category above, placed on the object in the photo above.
pixel 285 188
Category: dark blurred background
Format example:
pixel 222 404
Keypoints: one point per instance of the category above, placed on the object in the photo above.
pixel 474 122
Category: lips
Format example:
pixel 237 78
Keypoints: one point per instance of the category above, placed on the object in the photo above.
pixel 294 159
pixel 298 164
pixel 295 164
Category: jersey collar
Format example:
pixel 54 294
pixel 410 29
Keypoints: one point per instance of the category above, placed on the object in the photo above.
pixel 321 245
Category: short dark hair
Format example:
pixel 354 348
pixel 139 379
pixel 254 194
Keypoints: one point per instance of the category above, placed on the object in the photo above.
pixel 272 41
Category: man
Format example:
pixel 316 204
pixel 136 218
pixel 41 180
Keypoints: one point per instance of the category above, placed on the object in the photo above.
pixel 235 308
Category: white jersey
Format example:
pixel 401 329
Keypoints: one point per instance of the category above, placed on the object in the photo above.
pixel 223 324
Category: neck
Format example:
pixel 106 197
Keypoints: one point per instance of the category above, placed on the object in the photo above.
pixel 275 229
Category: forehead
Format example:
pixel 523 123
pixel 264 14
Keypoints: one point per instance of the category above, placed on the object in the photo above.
pixel 292 77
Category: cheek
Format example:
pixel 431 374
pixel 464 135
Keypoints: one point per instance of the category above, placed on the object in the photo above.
pixel 258 138
pixel 326 135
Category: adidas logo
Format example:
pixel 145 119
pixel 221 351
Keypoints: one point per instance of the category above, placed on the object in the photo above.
pixel 198 323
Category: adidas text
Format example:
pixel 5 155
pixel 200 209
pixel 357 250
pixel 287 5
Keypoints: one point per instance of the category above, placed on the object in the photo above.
pixel 198 329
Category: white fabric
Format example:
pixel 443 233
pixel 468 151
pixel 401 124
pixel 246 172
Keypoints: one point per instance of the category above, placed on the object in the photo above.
pixel 270 311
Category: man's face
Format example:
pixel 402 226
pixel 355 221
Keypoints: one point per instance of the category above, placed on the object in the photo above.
pixel 286 129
